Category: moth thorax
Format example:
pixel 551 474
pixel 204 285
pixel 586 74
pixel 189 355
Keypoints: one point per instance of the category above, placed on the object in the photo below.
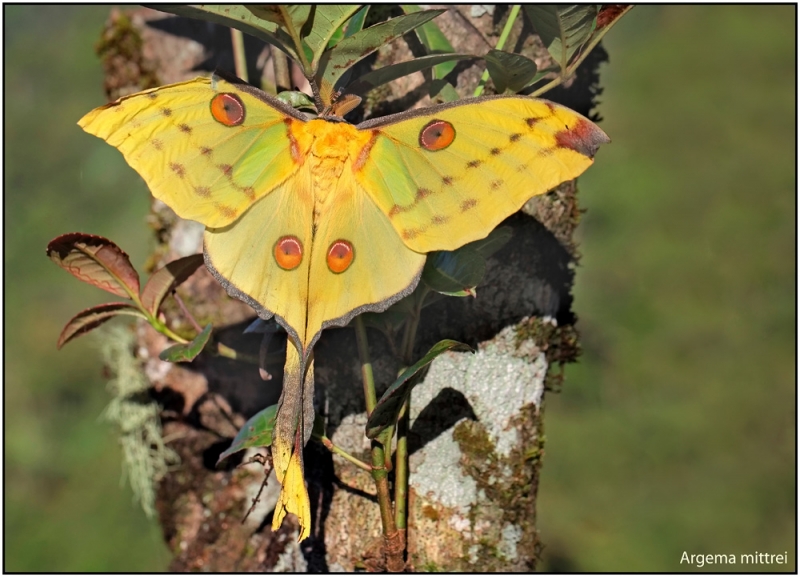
pixel 330 138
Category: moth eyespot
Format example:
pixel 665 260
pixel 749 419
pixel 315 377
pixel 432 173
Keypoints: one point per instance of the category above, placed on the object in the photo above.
pixel 227 109
pixel 288 252
pixel 437 135
pixel 340 256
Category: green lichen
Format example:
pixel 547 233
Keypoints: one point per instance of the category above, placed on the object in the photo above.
pixel 120 50
pixel 560 345
pixel 430 567
pixel 146 458
pixel 509 484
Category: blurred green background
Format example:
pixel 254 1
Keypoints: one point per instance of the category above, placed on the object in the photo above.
pixel 676 432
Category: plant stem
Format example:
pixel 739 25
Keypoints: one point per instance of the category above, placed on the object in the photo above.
pixel 165 330
pixel 401 468
pixel 229 353
pixel 403 425
pixel 392 541
pixel 342 453
pixel 501 42
pixel 192 321
pixel 380 474
pixel 283 78
pixel 368 379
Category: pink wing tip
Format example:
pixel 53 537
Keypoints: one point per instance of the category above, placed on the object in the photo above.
pixel 585 137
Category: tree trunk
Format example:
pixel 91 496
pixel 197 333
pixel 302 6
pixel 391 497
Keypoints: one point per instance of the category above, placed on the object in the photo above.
pixel 476 440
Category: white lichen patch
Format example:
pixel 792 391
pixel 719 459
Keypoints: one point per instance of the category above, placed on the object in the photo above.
pixel 291 560
pixel 507 547
pixel 435 472
pixel 496 382
pixel 350 435
pixel 459 523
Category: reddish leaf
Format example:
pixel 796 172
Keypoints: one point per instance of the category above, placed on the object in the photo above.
pixel 95 260
pixel 165 279
pixel 92 318
pixel 610 12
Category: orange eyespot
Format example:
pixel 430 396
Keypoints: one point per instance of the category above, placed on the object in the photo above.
pixel 340 256
pixel 288 252
pixel 437 135
pixel 227 109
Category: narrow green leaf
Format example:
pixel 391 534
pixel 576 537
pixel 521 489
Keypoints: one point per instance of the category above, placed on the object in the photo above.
pixel 269 12
pixel 562 28
pixel 451 272
pixel 336 61
pixel 291 17
pixel 496 240
pixel 335 38
pixel 356 23
pixel 235 16
pixel 256 432
pixel 97 261
pixel 509 71
pixel 386 74
pixel 326 20
pixel 442 91
pixel 434 40
pixel 318 430
pixel 93 317
pixel 165 279
pixel 186 353
pixel 391 319
pixel 388 407
pixel 541 74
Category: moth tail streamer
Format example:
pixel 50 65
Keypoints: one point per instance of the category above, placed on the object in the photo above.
pixel 293 428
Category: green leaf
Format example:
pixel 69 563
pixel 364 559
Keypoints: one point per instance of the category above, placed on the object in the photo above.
pixel 451 272
pixel 434 40
pixel 541 74
pixel 562 28
pixel 318 429
pixel 339 59
pixel 296 99
pixel 165 279
pixel 386 74
pixel 97 261
pixel 391 319
pixel 335 38
pixel 256 432
pixel 235 16
pixel 496 240
pixel 388 407
pixel 509 71
pixel 442 91
pixel 290 17
pixel 93 317
pixel 325 20
pixel 186 353
pixel 356 23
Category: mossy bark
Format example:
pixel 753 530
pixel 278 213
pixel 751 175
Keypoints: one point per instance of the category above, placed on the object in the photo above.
pixel 476 438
